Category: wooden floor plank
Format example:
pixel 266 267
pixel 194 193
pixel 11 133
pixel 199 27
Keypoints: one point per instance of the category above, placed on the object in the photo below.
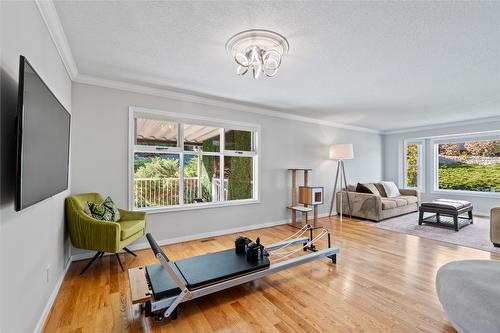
pixel 383 282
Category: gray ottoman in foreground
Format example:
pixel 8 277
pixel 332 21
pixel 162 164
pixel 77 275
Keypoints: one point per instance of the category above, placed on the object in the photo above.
pixel 469 292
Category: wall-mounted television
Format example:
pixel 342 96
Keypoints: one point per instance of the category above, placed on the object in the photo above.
pixel 43 138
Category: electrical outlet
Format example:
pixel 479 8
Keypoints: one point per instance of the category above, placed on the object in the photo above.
pixel 47 274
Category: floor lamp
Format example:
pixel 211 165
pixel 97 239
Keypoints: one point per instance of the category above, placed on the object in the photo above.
pixel 339 153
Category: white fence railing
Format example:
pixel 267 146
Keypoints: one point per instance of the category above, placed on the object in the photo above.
pixel 157 192
pixel 216 188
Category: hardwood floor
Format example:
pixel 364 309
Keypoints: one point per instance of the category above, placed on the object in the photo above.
pixel 383 282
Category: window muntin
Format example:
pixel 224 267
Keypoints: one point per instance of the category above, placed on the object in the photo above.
pixel 468 165
pixel 199 158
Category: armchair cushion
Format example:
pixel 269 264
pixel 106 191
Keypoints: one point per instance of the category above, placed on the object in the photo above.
pixel 127 215
pixel 128 228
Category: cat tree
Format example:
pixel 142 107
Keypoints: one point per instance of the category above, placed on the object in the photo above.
pixel 305 199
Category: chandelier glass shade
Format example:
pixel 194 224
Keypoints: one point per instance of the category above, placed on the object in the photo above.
pixel 257 51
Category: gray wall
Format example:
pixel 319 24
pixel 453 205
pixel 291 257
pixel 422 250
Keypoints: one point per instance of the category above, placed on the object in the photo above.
pixel 100 148
pixel 35 238
pixel 393 159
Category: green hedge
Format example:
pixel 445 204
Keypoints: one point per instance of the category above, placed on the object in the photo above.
pixel 469 177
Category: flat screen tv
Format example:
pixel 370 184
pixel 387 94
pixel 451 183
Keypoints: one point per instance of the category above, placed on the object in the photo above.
pixel 43 134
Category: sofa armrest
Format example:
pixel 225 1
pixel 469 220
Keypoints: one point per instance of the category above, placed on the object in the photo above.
pixel 364 205
pixel 127 215
pixel 411 192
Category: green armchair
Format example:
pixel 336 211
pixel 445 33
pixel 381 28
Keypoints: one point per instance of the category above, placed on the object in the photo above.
pixel 102 236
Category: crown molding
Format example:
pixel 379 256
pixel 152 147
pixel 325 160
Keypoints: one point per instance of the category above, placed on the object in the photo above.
pixel 443 125
pixel 52 21
pixel 51 18
pixel 210 101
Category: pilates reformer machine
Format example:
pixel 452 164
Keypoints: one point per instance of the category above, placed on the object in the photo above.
pixel 162 287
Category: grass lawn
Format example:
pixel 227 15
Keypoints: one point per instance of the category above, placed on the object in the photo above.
pixel 469 177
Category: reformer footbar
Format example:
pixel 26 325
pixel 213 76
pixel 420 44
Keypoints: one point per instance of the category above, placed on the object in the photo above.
pixel 171 283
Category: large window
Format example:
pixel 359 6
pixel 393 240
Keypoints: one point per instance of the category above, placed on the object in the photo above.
pixel 468 165
pixel 414 164
pixel 181 162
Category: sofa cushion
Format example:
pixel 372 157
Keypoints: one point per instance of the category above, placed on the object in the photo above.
pixel 391 190
pixel 410 199
pixel 131 227
pixel 360 188
pixel 372 188
pixel 388 204
pixel 393 203
pixel 400 202
pixel 381 190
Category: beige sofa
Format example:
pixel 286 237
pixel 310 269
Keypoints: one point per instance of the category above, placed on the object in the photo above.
pixel 495 226
pixel 377 207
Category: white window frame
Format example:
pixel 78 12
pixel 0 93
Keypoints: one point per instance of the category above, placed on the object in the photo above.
pixel 436 141
pixel 183 118
pixel 420 164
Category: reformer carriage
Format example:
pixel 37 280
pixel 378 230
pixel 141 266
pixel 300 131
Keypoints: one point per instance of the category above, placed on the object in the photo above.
pixel 163 286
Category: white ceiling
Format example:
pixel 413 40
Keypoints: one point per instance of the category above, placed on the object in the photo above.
pixel 381 65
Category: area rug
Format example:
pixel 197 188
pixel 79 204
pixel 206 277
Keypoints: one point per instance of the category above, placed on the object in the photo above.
pixel 476 235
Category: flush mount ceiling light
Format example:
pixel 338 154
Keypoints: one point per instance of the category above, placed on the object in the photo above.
pixel 258 51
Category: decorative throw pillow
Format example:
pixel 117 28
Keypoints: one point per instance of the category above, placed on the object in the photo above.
pixel 371 188
pixel 381 190
pixel 360 188
pixel 86 209
pixel 391 190
pixel 105 211
pixel 111 206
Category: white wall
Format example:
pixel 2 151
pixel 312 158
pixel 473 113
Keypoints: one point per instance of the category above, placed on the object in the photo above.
pixel 34 238
pixel 100 146
pixel 393 159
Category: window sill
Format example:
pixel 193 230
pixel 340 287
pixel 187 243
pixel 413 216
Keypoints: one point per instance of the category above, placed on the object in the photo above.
pixel 205 205
pixel 468 193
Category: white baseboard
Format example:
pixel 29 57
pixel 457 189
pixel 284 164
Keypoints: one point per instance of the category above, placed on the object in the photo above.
pixel 482 214
pixel 145 245
pixel 46 310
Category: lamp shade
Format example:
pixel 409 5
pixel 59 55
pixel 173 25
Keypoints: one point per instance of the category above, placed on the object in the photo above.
pixel 342 151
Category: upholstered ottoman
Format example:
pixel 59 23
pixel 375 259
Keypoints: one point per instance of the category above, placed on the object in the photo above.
pixel 446 212
pixel 469 291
